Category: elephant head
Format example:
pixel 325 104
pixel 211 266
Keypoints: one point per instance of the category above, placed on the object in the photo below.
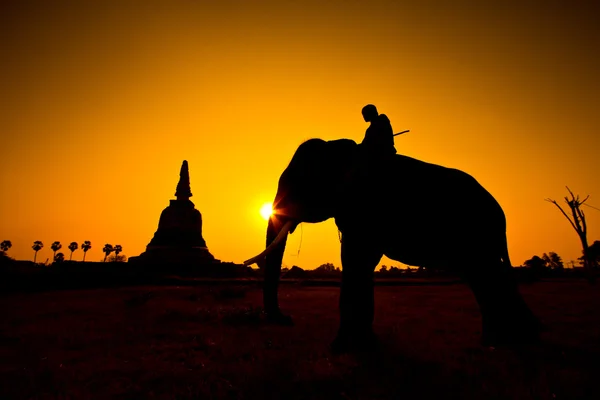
pixel 308 191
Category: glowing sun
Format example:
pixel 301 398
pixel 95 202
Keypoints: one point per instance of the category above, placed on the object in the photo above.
pixel 266 210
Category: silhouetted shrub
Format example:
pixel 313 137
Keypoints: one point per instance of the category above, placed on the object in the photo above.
pixel 295 273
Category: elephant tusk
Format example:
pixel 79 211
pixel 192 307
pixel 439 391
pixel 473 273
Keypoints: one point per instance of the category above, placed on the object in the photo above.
pixel 282 235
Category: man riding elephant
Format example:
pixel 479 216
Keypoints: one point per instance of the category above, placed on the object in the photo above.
pixel 379 137
pixel 377 147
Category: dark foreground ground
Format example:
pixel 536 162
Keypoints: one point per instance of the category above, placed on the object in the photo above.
pixel 206 341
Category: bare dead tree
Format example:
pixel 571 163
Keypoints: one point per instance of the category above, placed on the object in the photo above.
pixel 578 223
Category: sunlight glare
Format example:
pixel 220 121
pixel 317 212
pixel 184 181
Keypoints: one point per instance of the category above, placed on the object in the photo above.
pixel 266 210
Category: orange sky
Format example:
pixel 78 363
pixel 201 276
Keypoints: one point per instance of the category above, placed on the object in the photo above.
pixel 101 103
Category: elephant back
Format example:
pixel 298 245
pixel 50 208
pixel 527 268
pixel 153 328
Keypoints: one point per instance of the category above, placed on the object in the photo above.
pixel 441 193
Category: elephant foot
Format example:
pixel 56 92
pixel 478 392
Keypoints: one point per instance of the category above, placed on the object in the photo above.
pixel 511 338
pixel 354 343
pixel 278 318
pixel 511 342
pixel 339 346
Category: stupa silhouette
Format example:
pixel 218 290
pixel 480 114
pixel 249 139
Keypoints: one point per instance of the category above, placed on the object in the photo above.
pixel 178 239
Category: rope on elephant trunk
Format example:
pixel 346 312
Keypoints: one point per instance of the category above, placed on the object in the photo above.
pixel 300 244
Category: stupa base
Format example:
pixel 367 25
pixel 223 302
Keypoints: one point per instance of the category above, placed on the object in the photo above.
pixel 191 256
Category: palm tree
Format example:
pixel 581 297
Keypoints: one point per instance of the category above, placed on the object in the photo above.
pixel 117 250
pixel 73 246
pixel 60 257
pixel 5 245
pixel 55 247
pixel 108 248
pixel 85 247
pixel 37 246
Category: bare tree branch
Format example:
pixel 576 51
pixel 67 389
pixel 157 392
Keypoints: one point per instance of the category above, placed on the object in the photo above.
pixel 595 208
pixel 574 207
pixel 582 218
pixel 563 212
pixel 579 224
pixel 573 196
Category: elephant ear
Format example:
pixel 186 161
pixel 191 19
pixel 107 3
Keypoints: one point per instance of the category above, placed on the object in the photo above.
pixel 345 185
pixel 352 173
pixel 348 166
pixel 348 176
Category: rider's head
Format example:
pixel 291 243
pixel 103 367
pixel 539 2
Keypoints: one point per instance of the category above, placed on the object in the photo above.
pixel 369 112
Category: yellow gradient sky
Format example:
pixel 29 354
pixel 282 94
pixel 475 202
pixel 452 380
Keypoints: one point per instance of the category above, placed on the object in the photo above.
pixel 102 101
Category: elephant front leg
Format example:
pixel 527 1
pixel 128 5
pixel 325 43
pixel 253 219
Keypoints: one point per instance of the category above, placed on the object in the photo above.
pixel 357 298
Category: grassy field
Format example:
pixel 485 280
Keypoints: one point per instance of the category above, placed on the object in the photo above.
pixel 201 342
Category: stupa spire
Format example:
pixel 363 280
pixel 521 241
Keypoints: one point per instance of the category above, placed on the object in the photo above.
pixel 183 191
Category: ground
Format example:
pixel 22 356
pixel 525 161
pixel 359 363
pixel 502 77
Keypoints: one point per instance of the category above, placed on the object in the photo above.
pixel 203 342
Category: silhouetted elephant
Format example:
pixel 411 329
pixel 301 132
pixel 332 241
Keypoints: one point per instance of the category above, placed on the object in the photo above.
pixel 414 212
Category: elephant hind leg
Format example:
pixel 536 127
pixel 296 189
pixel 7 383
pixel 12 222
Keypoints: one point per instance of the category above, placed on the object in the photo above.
pixel 506 318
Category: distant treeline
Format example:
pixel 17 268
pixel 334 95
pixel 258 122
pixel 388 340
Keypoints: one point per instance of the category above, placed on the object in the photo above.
pixel 29 276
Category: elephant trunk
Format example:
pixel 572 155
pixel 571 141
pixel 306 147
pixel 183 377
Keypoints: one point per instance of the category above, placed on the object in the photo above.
pixel 273 261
